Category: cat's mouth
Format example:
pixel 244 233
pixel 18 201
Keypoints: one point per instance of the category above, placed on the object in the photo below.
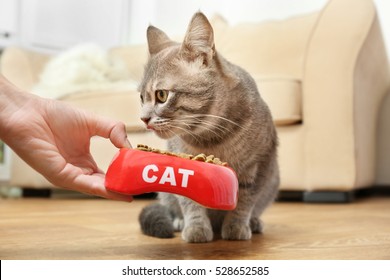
pixel 167 128
pixel 151 127
pixel 161 130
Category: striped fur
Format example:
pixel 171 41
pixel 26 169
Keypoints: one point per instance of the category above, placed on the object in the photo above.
pixel 213 107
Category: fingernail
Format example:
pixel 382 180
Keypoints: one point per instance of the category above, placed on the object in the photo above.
pixel 127 144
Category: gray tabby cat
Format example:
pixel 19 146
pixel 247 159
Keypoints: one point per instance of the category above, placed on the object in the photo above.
pixel 203 104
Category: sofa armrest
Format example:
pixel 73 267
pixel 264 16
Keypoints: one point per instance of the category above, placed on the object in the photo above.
pixel 345 76
pixel 22 67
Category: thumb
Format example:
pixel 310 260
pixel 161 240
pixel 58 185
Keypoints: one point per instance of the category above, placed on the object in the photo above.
pixel 118 136
pixel 113 130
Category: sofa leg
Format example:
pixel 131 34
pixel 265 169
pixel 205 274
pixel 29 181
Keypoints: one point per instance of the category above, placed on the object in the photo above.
pixel 328 196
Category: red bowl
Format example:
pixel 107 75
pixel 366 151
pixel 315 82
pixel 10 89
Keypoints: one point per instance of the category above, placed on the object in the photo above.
pixel 136 172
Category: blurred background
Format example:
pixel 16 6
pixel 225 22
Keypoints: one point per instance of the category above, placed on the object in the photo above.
pixel 32 32
pixel 53 25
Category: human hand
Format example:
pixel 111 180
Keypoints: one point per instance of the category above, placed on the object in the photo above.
pixel 54 138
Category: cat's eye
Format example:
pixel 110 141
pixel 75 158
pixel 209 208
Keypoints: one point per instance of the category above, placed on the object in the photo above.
pixel 142 98
pixel 161 95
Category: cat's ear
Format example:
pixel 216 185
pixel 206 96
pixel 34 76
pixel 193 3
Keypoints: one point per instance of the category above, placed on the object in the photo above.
pixel 199 40
pixel 157 40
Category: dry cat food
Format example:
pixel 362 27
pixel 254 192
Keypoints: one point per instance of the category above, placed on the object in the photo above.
pixel 200 157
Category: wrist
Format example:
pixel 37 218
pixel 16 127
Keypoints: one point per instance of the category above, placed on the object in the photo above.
pixel 11 100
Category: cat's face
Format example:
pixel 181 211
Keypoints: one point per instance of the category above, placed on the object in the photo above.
pixel 177 89
pixel 175 95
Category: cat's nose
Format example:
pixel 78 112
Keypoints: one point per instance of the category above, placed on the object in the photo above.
pixel 145 120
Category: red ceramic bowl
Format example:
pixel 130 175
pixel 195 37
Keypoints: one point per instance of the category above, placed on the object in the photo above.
pixel 136 172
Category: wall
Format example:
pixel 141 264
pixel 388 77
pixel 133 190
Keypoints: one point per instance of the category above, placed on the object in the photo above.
pixel 53 25
pixel 58 24
pixel 173 15
pixel 8 22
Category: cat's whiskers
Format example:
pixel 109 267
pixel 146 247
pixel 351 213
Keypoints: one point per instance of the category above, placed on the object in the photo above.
pixel 222 118
pixel 220 127
pixel 217 117
pixel 198 120
pixel 196 137
pixel 210 126
pixel 200 123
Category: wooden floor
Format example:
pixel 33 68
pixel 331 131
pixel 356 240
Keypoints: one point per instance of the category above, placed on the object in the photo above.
pixel 101 229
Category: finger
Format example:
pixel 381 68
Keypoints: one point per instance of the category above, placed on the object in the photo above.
pixel 118 136
pixel 94 185
pixel 114 130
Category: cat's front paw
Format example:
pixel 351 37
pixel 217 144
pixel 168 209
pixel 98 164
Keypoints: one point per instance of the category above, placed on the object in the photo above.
pixel 178 224
pixel 236 232
pixel 197 234
pixel 256 225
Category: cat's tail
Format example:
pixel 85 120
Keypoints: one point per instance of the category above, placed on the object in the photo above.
pixel 155 220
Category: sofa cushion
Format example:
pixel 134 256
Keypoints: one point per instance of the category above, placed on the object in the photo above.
pixel 274 48
pixel 284 98
pixel 273 53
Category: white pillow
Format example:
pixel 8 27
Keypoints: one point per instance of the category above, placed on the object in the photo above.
pixel 83 68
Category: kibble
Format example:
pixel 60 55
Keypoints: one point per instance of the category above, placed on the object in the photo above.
pixel 201 157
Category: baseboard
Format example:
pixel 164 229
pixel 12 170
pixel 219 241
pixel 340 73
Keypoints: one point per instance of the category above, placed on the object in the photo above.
pixel 316 196
pixel 68 194
pixel 333 196
pixel 30 192
pixel 328 197
pixel 290 196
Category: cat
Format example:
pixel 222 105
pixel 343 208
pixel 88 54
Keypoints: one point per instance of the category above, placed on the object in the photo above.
pixel 202 103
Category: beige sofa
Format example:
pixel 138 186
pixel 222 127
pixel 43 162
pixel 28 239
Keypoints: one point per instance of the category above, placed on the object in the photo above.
pixel 324 76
